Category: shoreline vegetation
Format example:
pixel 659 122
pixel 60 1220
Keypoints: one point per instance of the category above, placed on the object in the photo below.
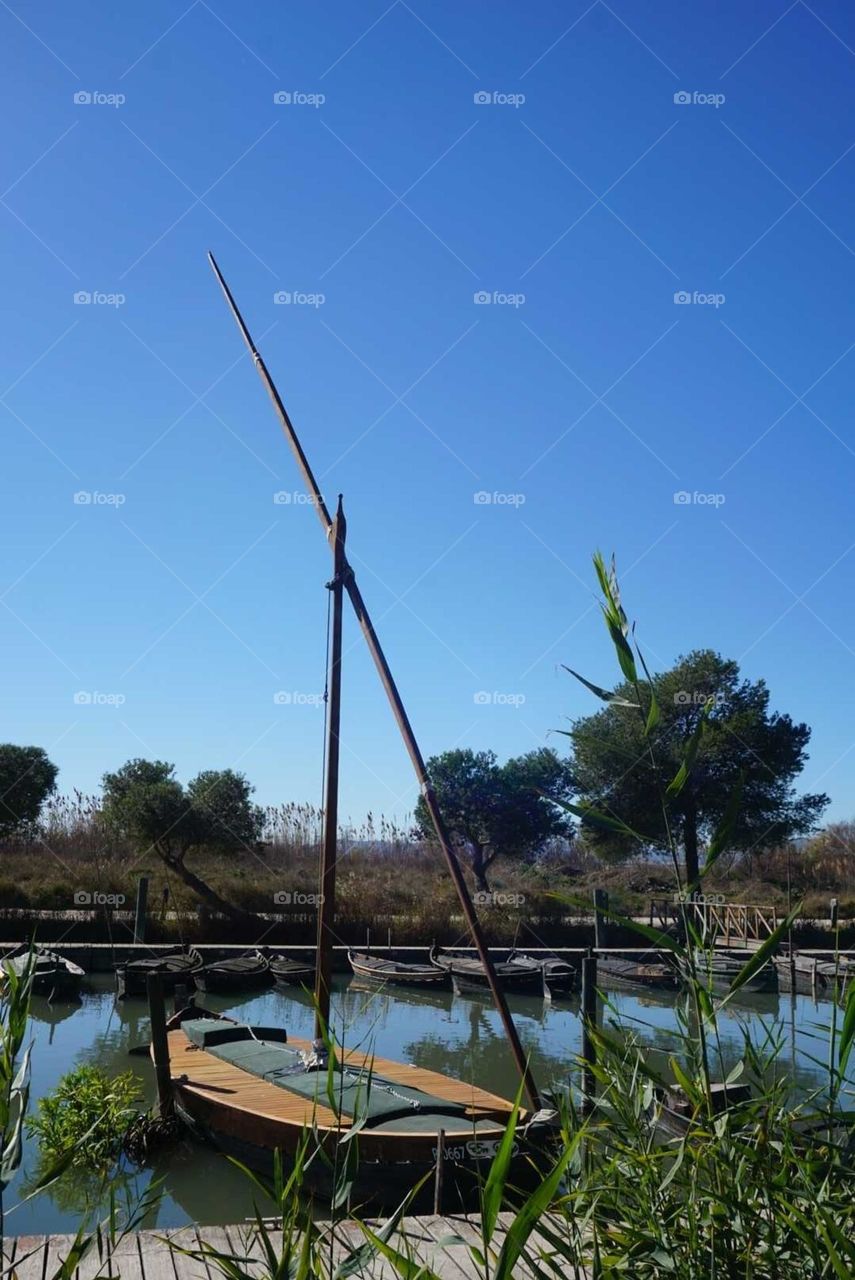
pixel 389 879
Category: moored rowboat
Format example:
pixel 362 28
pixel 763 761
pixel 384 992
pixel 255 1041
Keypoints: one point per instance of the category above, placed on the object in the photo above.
pixel 634 974
pixel 467 973
pixel 559 977
pixel 173 967
pixel 52 975
pixel 291 973
pixel 249 972
pixel 396 972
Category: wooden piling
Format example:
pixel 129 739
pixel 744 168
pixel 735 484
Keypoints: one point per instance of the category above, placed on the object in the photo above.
pixel 160 1043
pixel 141 909
pixel 601 904
pixel 589 1022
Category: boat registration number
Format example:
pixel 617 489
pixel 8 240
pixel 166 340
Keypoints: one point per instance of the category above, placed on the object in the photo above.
pixel 478 1149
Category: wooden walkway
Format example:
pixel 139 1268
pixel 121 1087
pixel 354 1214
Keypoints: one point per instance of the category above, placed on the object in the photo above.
pixel 440 1243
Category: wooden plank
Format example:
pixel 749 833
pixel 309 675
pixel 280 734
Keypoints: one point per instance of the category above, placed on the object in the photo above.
pixel 27 1256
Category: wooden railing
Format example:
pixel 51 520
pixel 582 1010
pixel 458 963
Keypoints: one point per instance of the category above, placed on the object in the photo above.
pixel 727 923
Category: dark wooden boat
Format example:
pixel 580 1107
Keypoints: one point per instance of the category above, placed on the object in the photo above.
pixel 249 972
pixel 718 969
pixel 253 1091
pixel 52 975
pixel 174 968
pixel 559 977
pixel 467 973
pixel 291 973
pixel 634 975
pixel 382 969
pixel 810 976
pixel 672 1111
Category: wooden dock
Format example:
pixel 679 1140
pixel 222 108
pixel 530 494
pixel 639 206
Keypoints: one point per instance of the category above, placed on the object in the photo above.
pixel 442 1244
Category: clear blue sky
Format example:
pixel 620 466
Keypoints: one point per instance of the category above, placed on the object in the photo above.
pixel 399 198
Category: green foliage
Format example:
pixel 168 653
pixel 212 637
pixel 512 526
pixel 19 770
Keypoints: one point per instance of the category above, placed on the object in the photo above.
pixel 27 778
pixel 14 1070
pixel 88 1114
pixel 721 729
pixel 221 802
pixel 494 809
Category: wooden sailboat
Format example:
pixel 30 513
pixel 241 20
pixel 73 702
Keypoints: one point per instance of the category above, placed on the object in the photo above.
pixel 252 1091
pixel 249 972
pixel 52 975
pixel 173 967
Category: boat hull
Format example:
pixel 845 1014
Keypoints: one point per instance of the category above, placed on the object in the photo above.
pixel 385 973
pixel 132 981
pixel 229 982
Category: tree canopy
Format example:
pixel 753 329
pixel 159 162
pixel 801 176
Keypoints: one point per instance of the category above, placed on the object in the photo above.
pixel 492 809
pixel 741 744
pixel 146 802
pixel 27 778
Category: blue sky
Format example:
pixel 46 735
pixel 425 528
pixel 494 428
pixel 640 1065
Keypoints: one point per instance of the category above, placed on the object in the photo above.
pixel 580 197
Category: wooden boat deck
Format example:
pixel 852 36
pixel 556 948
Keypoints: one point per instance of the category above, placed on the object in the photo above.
pixel 213 1078
pixel 156 1255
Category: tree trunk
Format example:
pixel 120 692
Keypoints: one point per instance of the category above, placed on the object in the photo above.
pixel 690 843
pixel 479 868
pixel 210 896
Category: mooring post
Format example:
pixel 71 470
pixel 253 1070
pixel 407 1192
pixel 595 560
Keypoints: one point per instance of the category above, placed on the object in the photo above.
pixel 601 904
pixel 437 1183
pixel 142 905
pixel 160 1042
pixel 589 1022
pixel 833 912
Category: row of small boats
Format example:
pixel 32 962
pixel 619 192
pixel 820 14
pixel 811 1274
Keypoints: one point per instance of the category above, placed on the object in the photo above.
pixel 550 976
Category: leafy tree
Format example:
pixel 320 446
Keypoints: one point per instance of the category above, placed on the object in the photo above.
pixel 27 778
pixel 146 802
pixel 707 713
pixel 492 809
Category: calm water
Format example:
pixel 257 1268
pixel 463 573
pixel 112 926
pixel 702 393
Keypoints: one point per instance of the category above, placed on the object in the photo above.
pixel 452 1034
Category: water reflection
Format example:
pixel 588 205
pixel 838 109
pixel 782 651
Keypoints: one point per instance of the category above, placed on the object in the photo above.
pixel 457 1035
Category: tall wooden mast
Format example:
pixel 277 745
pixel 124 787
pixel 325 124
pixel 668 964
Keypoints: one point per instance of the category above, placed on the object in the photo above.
pixel 329 855
pixel 396 704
